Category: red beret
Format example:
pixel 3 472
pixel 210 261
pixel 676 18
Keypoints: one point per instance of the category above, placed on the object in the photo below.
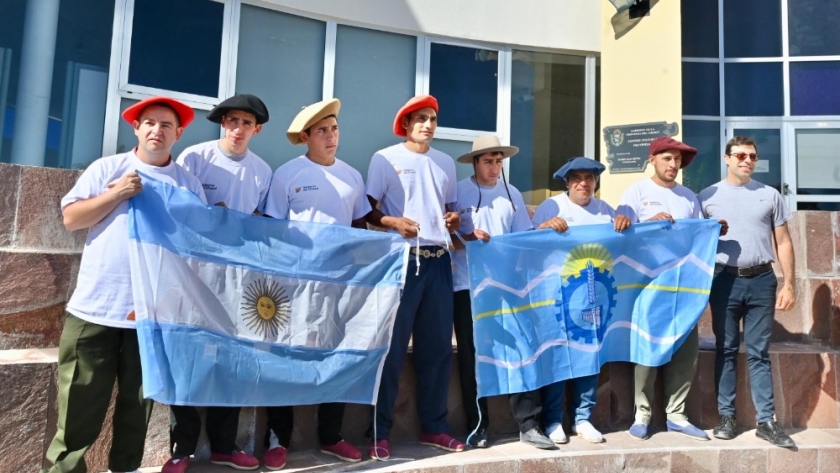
pixel 664 143
pixel 416 103
pixel 185 113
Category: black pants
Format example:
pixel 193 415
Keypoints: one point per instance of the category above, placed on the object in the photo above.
pixel 466 362
pixel 526 408
pixel 185 428
pixel 280 420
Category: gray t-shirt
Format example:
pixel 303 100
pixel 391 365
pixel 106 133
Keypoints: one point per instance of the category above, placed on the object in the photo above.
pixel 752 212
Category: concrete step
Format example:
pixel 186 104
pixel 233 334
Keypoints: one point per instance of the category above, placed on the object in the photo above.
pixel 806 379
pixel 818 451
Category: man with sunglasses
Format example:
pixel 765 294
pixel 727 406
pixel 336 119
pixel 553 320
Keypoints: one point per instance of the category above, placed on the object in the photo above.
pixel 745 285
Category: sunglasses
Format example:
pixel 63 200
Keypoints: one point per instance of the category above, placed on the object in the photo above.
pixel 742 156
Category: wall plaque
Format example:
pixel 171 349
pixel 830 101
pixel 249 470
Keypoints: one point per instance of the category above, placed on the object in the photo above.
pixel 627 145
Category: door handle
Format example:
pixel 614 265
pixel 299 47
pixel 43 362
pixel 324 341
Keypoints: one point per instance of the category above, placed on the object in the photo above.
pixel 785 189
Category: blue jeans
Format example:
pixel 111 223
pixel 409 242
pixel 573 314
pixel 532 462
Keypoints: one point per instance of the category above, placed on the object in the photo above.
pixel 752 299
pixel 583 401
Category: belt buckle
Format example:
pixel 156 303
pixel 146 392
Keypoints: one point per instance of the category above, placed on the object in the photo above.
pixel 745 272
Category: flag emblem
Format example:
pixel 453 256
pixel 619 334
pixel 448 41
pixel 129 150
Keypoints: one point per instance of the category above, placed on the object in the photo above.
pixel 265 308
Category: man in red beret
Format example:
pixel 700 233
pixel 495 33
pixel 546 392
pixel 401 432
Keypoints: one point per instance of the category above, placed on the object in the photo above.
pixel 99 341
pixel 661 197
pixel 412 188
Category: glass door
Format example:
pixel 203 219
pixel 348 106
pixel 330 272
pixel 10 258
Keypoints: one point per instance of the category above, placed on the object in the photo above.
pixel 769 168
pixel 814 151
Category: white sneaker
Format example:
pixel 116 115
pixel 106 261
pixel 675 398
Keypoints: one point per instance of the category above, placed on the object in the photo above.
pixel 556 434
pixel 588 432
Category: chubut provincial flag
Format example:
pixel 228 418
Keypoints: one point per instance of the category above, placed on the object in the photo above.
pixel 551 306
pixel 238 310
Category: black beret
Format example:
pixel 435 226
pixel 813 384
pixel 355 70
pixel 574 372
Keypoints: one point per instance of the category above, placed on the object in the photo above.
pixel 243 102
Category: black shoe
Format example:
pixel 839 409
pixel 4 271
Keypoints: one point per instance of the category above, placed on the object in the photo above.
pixel 478 439
pixel 536 438
pixel 773 433
pixel 725 428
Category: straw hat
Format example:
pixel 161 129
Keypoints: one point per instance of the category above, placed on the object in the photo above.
pixel 487 144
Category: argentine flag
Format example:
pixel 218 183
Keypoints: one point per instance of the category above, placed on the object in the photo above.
pixel 238 310
pixel 551 306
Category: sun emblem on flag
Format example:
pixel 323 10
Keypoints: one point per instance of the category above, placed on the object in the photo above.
pixel 587 293
pixel 265 307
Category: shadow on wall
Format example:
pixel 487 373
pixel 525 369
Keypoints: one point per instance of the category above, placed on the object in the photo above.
pixel 621 22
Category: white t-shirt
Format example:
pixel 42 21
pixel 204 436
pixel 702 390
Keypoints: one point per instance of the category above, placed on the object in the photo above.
pixel 241 182
pixel 597 211
pixel 496 217
pixel 417 186
pixel 103 288
pixel 644 199
pixel 303 190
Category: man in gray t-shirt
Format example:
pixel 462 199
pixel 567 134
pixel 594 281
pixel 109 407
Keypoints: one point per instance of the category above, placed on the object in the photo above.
pixel 745 285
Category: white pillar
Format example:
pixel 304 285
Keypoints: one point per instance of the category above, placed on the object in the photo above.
pixel 32 110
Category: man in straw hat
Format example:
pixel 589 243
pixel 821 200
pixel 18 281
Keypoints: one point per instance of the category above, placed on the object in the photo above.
pixel 99 343
pixel 305 189
pixel 661 197
pixel 576 206
pixel 236 178
pixel 416 187
pixel 490 207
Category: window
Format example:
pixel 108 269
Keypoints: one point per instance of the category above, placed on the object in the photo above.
pixel 752 28
pixel 812 27
pixel 817 166
pixel 699 28
pixel 53 113
pixel 705 169
pixel 465 82
pixel 754 89
pixel 814 88
pixel 700 89
pixel 177 45
pixel 281 61
pixel 547 119
pixel 374 76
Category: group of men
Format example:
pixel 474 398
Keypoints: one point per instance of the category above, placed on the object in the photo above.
pixel 411 190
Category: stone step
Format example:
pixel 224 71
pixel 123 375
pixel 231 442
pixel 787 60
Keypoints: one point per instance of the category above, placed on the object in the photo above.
pixel 805 383
pixel 818 451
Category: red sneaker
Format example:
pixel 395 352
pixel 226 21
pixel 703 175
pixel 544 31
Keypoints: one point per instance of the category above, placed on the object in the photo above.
pixel 176 465
pixel 275 459
pixel 235 459
pixel 343 450
pixel 379 449
pixel 442 440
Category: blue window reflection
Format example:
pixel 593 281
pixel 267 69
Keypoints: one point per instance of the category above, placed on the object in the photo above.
pixel 814 88
pixel 754 89
pixel 465 83
pixel 699 28
pixel 752 28
pixel 177 45
pixel 700 89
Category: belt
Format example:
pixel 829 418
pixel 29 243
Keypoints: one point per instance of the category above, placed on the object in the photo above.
pixel 747 272
pixel 428 251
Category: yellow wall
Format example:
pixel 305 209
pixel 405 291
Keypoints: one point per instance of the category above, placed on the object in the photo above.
pixel 641 78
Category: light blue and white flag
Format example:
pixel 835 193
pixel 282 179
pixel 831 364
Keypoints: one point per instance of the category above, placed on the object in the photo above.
pixel 550 306
pixel 237 310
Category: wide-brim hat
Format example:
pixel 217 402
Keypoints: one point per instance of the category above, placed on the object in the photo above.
pixel 242 102
pixel 664 143
pixel 487 144
pixel 579 164
pixel 310 115
pixel 184 112
pixel 415 103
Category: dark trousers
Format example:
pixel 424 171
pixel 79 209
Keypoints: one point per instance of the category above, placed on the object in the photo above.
pixel 752 299
pixel 466 362
pixel 281 420
pixel 90 358
pixel 526 408
pixel 185 428
pixel 426 311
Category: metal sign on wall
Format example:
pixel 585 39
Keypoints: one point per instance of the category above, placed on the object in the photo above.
pixel 627 145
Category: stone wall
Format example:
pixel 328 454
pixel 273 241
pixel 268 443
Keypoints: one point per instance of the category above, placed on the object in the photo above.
pixel 39 260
